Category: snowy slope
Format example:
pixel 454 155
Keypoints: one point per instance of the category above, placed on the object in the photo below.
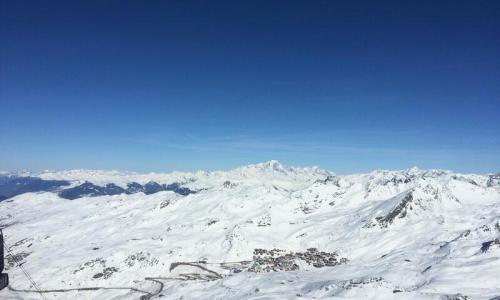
pixel 410 234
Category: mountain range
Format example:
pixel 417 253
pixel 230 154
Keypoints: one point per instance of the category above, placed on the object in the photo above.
pixel 263 231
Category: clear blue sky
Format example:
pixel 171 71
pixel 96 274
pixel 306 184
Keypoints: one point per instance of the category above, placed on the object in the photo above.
pixel 184 85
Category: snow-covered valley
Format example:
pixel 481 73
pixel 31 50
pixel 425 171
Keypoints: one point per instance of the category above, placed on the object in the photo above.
pixel 263 231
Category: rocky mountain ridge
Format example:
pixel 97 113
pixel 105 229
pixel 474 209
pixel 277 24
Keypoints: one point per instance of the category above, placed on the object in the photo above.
pixel 264 230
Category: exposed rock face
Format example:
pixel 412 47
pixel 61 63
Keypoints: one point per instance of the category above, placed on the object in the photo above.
pixel 487 245
pixel 89 189
pixel 399 211
pixel 142 259
pixel 178 189
pixel 11 186
pixel 228 184
pixel 432 234
pixel 330 179
pixel 493 180
pixel 152 187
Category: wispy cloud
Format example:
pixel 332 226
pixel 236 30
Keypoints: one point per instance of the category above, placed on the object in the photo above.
pixel 326 142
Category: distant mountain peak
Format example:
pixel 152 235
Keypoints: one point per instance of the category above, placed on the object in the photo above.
pixel 413 169
pixel 272 165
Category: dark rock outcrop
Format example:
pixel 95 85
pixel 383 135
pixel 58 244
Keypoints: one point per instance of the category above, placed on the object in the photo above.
pixel 486 245
pixel 399 211
pixel 133 187
pixel 493 180
pixel 152 188
pixel 88 189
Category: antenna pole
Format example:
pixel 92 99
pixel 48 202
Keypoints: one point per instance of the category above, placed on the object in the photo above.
pixel 4 278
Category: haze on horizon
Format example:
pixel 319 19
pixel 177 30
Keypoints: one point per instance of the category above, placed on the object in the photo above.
pixel 189 85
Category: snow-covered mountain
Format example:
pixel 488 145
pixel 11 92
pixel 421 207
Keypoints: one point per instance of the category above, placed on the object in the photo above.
pixel 262 231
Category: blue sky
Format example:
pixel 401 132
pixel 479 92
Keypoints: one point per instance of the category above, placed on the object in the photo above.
pixel 185 85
